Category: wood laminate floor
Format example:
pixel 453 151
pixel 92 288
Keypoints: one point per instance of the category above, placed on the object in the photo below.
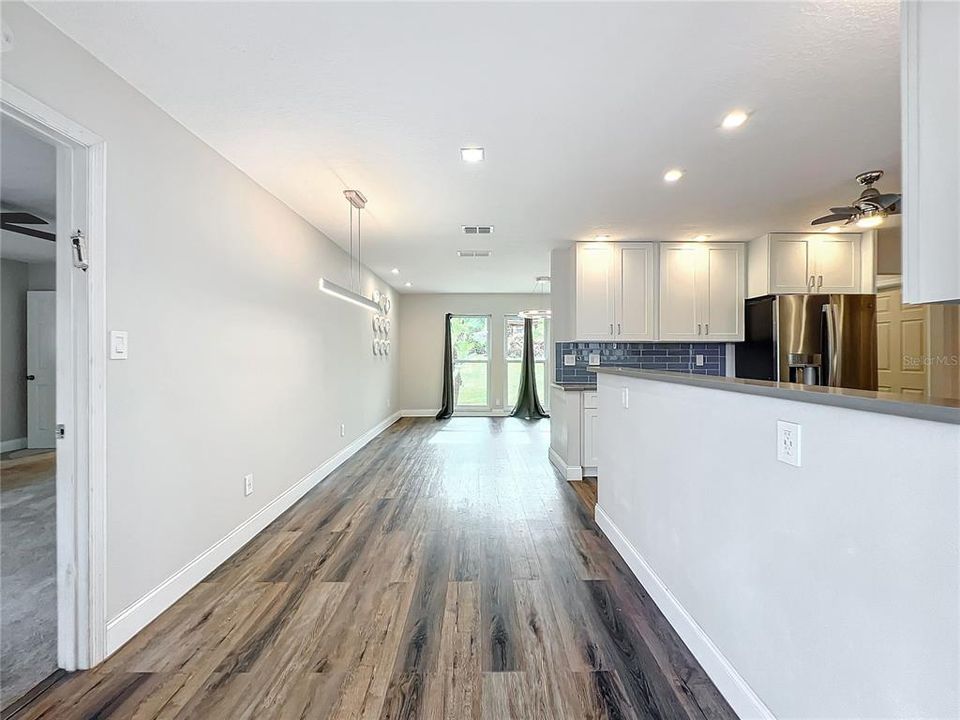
pixel 444 572
pixel 28 571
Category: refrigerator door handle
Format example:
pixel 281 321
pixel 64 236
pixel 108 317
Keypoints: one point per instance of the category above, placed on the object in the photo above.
pixel 832 355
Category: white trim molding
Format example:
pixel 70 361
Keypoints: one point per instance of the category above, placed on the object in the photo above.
pixel 729 682
pixel 141 612
pixel 569 472
pixel 13 444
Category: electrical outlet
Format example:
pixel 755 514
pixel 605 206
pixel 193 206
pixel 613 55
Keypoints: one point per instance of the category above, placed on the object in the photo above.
pixel 343 430
pixel 699 360
pixel 593 359
pixel 569 360
pixel 788 443
pixel 248 484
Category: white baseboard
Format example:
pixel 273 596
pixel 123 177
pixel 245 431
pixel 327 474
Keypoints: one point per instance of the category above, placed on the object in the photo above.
pixel 14 444
pixel 729 682
pixel 570 472
pixel 139 614
pixel 419 413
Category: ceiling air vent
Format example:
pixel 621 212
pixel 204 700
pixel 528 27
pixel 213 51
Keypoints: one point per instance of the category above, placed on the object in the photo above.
pixel 477 229
pixel 474 253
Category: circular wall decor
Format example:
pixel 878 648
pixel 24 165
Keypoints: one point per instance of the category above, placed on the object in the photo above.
pixel 376 296
pixel 386 304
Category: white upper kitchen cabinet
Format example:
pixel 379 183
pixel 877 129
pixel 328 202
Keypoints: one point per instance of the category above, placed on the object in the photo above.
pixel 721 289
pixel 678 291
pixel 930 107
pixel 596 272
pixel 635 292
pixel 702 290
pixel 784 263
pixel 604 291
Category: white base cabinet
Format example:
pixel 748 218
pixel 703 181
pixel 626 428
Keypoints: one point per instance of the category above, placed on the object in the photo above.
pixel 574 432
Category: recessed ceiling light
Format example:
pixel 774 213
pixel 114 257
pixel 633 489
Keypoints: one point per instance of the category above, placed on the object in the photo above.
pixel 701 238
pixel 734 119
pixel 395 271
pixel 671 176
pixel 601 238
pixel 408 284
pixel 471 154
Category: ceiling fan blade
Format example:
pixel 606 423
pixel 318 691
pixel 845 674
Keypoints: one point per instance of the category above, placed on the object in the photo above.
pixel 848 210
pixel 22 218
pixel 832 219
pixel 28 231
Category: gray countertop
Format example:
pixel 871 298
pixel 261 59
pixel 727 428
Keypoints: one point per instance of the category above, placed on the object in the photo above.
pixel 922 408
pixel 575 387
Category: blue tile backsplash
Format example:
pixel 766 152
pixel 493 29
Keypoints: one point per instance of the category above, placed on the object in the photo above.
pixel 680 357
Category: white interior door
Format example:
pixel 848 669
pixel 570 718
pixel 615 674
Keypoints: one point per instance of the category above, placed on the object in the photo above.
pixel 41 368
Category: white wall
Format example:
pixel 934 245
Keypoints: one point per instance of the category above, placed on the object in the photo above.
pixel 237 362
pixel 43 276
pixel 421 341
pixel 831 588
pixel 14 280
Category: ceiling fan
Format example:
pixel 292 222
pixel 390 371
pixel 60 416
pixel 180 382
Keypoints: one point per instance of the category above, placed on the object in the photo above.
pixel 13 221
pixel 868 210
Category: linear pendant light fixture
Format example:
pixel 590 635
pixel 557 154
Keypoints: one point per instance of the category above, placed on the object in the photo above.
pixel 358 201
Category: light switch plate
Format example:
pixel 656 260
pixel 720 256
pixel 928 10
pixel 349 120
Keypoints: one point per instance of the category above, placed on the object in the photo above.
pixel 248 484
pixel 788 443
pixel 119 348
pixel 593 359
pixel 569 360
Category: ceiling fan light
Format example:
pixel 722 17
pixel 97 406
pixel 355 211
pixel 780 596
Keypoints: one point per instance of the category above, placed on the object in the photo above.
pixel 834 229
pixel 870 220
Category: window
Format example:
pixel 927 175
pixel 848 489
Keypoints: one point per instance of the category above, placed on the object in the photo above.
pixel 470 335
pixel 513 354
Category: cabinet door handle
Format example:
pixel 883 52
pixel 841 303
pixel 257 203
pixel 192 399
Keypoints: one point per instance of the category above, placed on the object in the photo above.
pixel 699 326
pixel 618 329
pixel 707 328
pixel 819 281
pixel 810 283
pixel 611 329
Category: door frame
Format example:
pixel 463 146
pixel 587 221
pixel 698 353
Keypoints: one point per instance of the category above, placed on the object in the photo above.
pixel 81 378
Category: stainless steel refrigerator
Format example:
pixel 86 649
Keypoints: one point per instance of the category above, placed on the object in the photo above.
pixel 811 339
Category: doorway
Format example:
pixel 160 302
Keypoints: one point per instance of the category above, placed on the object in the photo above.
pixel 63 403
pixel 28 462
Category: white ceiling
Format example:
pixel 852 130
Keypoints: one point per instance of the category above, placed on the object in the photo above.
pixel 581 108
pixel 28 181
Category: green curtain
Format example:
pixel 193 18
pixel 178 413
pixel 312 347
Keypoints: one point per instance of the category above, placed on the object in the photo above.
pixel 446 404
pixel 528 404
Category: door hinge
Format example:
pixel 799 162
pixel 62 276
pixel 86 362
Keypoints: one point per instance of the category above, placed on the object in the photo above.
pixel 79 250
pixel 60 432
